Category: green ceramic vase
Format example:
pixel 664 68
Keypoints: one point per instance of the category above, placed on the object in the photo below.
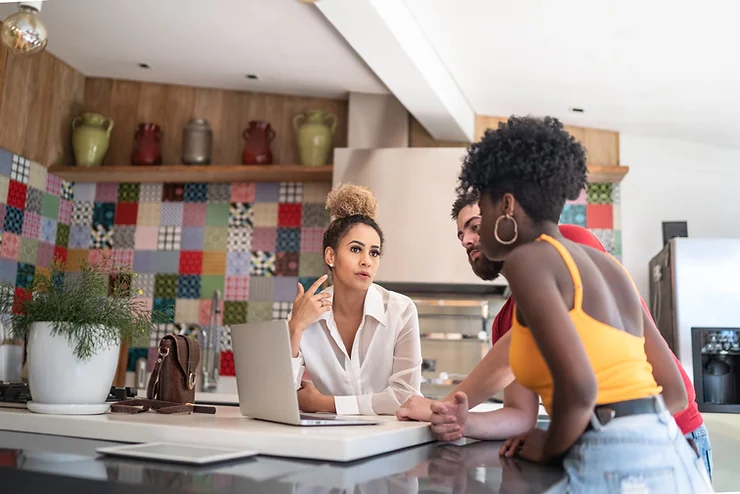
pixel 91 138
pixel 313 136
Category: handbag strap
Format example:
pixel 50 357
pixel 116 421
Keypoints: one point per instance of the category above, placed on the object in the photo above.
pixel 152 389
pixel 164 407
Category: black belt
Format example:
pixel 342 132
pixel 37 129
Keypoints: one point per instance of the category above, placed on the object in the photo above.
pixel 603 414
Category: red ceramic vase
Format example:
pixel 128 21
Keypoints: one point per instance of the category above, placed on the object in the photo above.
pixel 147 145
pixel 257 139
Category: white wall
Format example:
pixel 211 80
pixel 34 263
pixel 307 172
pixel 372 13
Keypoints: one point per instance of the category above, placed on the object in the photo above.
pixel 672 180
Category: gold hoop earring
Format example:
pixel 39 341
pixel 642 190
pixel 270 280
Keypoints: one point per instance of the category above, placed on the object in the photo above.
pixel 516 229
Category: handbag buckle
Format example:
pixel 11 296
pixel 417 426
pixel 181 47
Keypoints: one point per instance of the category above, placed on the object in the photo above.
pixel 191 380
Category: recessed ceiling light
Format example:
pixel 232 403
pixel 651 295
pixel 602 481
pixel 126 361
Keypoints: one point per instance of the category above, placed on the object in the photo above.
pixel 252 76
pixel 144 66
pixel 577 110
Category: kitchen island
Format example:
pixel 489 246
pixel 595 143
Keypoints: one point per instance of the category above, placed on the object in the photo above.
pixel 35 463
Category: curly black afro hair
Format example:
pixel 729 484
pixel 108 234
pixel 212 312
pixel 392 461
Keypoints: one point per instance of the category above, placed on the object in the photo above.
pixel 534 159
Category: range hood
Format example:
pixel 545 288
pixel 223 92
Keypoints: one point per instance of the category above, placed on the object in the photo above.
pixel 415 188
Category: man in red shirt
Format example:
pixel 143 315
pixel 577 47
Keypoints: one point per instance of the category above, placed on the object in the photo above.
pixel 493 373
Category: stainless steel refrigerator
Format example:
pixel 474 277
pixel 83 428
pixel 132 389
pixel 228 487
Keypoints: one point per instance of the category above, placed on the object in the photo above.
pixel 695 300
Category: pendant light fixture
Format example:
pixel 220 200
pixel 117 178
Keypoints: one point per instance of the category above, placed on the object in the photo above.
pixel 23 32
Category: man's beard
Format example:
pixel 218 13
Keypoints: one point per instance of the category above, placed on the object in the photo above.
pixel 484 268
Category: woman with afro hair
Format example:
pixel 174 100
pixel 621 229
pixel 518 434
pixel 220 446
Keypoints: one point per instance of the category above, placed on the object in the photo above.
pixel 578 329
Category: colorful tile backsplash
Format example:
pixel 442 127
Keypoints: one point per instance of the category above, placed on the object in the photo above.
pixel 252 241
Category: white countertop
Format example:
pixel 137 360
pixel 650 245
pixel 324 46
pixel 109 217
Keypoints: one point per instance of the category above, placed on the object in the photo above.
pixel 228 429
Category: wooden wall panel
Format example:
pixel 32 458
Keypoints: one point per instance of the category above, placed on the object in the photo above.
pixel 602 146
pixel 228 112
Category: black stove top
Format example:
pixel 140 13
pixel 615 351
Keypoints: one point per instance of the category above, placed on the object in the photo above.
pixel 20 393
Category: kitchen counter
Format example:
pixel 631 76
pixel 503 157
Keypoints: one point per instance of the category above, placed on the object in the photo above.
pixel 33 463
pixel 228 429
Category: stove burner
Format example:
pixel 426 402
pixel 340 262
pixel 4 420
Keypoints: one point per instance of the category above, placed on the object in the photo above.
pixel 19 393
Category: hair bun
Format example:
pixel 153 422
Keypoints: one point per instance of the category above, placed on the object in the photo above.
pixel 352 200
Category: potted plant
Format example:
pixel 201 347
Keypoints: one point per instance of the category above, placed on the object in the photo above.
pixel 74 324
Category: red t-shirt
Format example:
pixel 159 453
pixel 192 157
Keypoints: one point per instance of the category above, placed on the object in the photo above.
pixel 688 419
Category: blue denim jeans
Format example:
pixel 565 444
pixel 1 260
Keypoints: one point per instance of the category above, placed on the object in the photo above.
pixel 700 436
pixel 638 453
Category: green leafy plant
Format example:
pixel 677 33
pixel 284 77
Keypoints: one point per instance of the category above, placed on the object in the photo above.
pixel 93 308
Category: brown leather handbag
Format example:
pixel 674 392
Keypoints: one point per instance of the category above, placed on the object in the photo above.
pixel 171 386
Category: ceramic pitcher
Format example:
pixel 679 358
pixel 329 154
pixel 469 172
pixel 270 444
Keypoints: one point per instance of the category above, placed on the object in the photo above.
pixel 257 139
pixel 313 136
pixel 147 145
pixel 91 138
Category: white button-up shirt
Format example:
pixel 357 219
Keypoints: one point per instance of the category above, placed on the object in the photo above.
pixel 383 368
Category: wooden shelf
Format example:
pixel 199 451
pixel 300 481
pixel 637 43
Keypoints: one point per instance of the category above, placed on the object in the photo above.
pixel 194 173
pixel 606 174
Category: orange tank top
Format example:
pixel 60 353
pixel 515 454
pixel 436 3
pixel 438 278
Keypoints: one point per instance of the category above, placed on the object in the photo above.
pixel 618 358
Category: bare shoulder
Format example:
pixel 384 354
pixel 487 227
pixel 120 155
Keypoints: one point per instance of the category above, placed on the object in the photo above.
pixel 534 257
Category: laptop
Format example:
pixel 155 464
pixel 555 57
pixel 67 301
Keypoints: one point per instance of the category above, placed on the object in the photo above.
pixel 264 377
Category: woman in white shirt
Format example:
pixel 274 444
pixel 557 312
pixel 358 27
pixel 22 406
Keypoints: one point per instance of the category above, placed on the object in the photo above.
pixel 358 341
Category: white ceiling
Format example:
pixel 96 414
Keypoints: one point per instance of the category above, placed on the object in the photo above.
pixel 213 43
pixel 653 67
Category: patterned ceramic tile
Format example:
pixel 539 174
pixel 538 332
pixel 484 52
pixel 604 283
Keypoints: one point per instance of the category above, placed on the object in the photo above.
pixel 281 310
pixel 101 237
pixel 148 214
pixel 171 214
pixel 104 213
pixel 599 216
pixel 151 193
pixel 165 285
pixel 286 264
pixel 261 288
pixel 169 238
pixel 616 194
pixel 214 262
pixel 45 255
pixel 241 214
pixel 237 288
pixel 17 194
pixel 193 238
pixel 13 220
pixel 289 215
pixel 191 263
pixel 122 258
pixel 204 316
pixel 226 344
pixel 167 262
pixel 573 214
pixel 311 264
pixel 210 283
pixel 188 286
pixel 166 306
pixel 216 238
pixel 145 283
pixel 599 193
pixel 235 312
pixel 196 192
pixel 65 211
pixel 267 192
pixel 68 190
pixel 106 192
pixel 315 215
pixel 145 262
pixel 195 214
pixel 29 251
pixel 4 186
pixel 20 169
pixel 75 259
pixel 242 192
pixel 219 193
pixel 62 238
pixel 6 160
pixel 265 214
pixel 616 216
pixel 617 242
pixel 288 240
pixel 126 213
pixel 264 239
pixel 217 215
pixel 31 225
pixel 315 193
pixel 24 277
pixel 285 289
pixel 262 263
pixel 312 239
pixel 259 311
pixel 238 263
pixel 226 367
pixel 606 237
pixel 37 178
pixel 8 270
pixel 124 237
pixel 82 213
pixel 173 192
pixel 186 311
pixel 239 239
pixel 290 192
pixel 128 192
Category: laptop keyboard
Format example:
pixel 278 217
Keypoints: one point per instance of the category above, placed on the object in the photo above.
pixel 318 416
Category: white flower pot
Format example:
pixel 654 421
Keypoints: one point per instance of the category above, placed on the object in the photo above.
pixel 62 384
